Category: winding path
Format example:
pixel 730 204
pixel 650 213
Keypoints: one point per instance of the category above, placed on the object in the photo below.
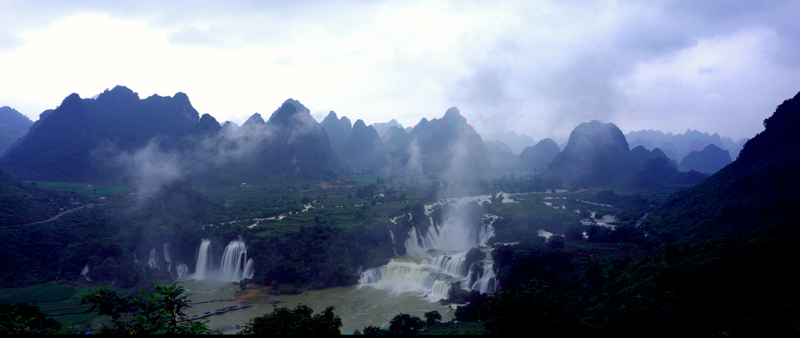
pixel 51 218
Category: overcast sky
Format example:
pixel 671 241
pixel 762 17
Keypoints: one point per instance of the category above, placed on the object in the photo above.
pixel 538 68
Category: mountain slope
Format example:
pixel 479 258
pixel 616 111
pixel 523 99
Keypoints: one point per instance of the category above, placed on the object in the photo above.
pixel 540 155
pixel 709 160
pixel 13 125
pixel 761 188
pixel 61 147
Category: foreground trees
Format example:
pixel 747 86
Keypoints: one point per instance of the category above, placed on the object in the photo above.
pixel 283 321
pixel 158 313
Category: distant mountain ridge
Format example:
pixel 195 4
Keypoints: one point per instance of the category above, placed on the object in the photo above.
pixel 13 125
pixel 60 148
pixel 597 155
pixel 680 145
pixel 709 160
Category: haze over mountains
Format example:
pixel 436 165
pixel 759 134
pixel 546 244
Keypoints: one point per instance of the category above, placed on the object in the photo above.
pixel 118 136
pixel 728 240
pixel 12 126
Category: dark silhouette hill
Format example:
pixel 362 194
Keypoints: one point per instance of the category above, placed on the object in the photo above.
pixel 517 143
pixel 396 142
pixel 597 155
pixel 447 145
pixel 60 149
pixel 680 145
pixel 13 125
pixel 642 155
pixel 383 127
pixel 585 142
pixel 539 155
pixel 291 144
pixel 709 160
pixel 364 150
pixel 338 129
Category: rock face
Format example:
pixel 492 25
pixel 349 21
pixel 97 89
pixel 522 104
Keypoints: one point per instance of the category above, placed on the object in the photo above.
pixel 584 145
pixel 447 146
pixel 338 130
pixel 60 147
pixel 13 125
pixel 709 160
pixel 364 150
pixel 540 155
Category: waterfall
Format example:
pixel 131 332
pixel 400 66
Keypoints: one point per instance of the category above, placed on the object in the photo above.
pixel 152 262
pixel 203 261
pixel 233 261
pixel 166 252
pixel 182 270
pixel 486 282
pixel 234 266
pixel 85 271
pixel 249 270
pixel 453 235
pixel 401 275
pixel 439 258
pixel 394 244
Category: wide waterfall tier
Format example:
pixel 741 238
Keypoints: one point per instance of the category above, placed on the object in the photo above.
pixel 481 278
pixel 234 265
pixel 453 235
pixel 234 262
pixel 434 276
pixel 401 275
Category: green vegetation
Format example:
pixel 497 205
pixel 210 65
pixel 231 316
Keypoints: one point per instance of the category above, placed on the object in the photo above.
pixel 100 189
pixel 298 321
pixel 158 313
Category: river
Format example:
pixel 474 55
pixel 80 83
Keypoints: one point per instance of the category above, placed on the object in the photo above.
pixel 357 306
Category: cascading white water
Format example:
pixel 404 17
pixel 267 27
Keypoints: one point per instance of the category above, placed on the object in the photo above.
pixel 84 271
pixel 409 275
pixel 203 261
pixel 432 271
pixel 234 266
pixel 394 244
pixel 485 283
pixel 452 265
pixel 152 262
pixel 249 269
pixel 166 252
pixel 453 235
pixel 234 259
pixel 182 270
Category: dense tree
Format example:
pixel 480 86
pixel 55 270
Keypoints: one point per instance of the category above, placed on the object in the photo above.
pixel 25 318
pixel 405 324
pixel 432 318
pixel 299 321
pixel 159 312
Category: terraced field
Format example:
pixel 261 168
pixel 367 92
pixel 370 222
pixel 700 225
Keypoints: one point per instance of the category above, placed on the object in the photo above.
pixel 59 301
